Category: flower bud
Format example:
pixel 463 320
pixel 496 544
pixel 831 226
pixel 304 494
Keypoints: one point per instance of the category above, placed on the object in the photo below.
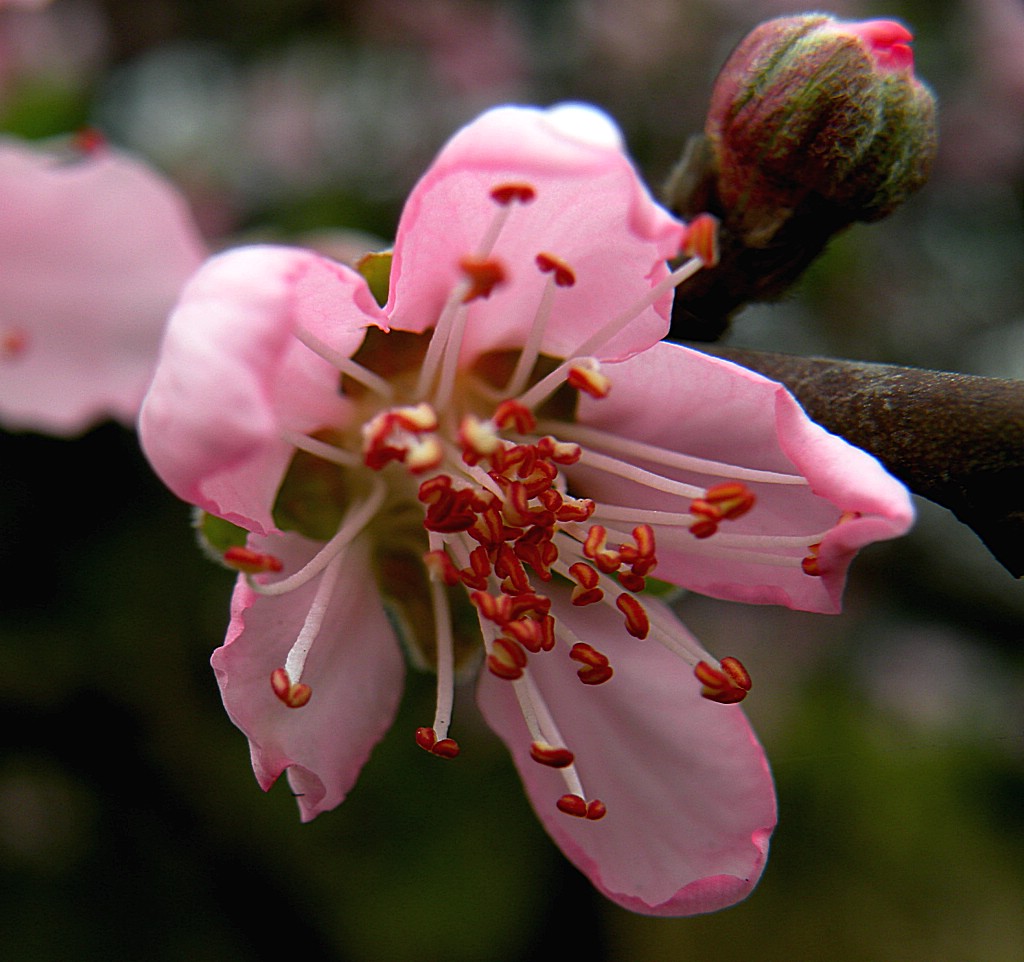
pixel 810 109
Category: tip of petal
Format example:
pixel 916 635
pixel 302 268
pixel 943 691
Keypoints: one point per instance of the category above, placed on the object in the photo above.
pixel 585 124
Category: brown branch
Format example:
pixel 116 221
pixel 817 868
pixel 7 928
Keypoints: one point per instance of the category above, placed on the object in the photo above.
pixel 956 439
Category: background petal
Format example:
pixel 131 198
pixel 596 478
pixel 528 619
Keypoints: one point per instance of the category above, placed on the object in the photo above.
pixel 700 405
pixel 690 799
pixel 591 210
pixel 87 282
pixel 232 377
pixel 355 669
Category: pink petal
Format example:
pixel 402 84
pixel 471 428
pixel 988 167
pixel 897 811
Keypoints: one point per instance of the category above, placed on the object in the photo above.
pixel 232 377
pixel 355 669
pixel 700 405
pixel 590 210
pixel 690 799
pixel 94 252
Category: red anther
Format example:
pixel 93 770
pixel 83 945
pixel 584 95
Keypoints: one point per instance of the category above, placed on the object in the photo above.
pixel 440 567
pixel 415 418
pixel 511 415
pixel 13 343
pixel 637 622
pixel 645 563
pixel 702 239
pixel 528 605
pixel 488 528
pixel 811 565
pixel 496 608
pixel 504 194
pixel 595 674
pixel 584 575
pixel 717 686
pixel 563 273
pixel 589 380
pixel 595 670
pixel 445 748
pixel 479 570
pixel 538 554
pixel 426 738
pixel 632 582
pixel 596 809
pixel 551 755
pixel 448 510
pixel 527 632
pixel 594 548
pixel 251 562
pixel 294 696
pixel 587 655
pixel 572 805
pixel 484 274
pixel 733 667
pixel 575 509
pixel 732 499
pixel 508 566
pixel 561 452
pixel 703 529
pixel 506 659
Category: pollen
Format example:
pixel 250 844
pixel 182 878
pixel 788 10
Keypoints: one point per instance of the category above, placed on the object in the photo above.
pixel 586 376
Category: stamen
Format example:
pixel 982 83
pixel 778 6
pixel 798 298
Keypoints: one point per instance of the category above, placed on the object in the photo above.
pixel 355 520
pixel 299 651
pixel 632 450
pixel 321 449
pixel 251 562
pixel 427 739
pixel 369 379
pixel 551 755
pixel 580 808
pixel 483 274
pixel 593 344
pixel 596 669
pixel 727 685
pixel 293 695
pixel 562 273
pixel 637 622
pixel 585 375
pixel 505 194
pixel 701 240
pixel 445 663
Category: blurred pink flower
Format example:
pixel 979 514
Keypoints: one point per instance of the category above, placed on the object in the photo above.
pixel 511 453
pixel 95 248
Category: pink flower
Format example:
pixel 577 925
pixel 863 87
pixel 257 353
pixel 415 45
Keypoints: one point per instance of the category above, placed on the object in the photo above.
pixel 510 455
pixel 95 248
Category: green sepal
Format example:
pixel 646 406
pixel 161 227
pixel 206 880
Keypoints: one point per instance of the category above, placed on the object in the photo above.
pixel 376 270
pixel 215 535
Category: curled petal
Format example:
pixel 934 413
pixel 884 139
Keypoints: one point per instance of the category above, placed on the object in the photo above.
pixel 581 187
pixel 87 284
pixel 354 669
pixel 232 377
pixel 689 798
pixel 721 412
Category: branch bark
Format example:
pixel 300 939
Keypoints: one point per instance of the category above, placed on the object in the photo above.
pixel 955 439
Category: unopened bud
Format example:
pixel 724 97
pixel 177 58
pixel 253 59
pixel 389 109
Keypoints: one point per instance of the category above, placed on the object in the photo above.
pixel 814 123
pixel 811 107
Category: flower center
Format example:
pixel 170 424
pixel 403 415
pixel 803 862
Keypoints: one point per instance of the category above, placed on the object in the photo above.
pixel 462 483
